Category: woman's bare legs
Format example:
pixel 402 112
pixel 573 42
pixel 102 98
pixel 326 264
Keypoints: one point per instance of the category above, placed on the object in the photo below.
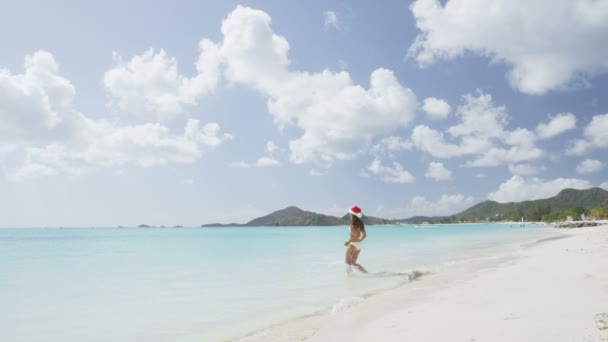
pixel 359 267
pixel 352 254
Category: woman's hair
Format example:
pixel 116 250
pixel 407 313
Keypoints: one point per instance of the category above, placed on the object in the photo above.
pixel 356 222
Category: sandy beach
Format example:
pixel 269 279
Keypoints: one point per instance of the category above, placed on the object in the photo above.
pixel 555 289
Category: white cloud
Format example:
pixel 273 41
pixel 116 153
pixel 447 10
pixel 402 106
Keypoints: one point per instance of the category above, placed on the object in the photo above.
pixel 595 136
pixel 266 161
pixel 339 118
pixel 482 133
pixel 391 145
pixel 271 148
pixel 433 143
pixel 438 172
pixel 518 188
pixel 54 138
pixel 32 104
pixel 604 185
pixel 556 125
pixel 515 154
pixel 480 117
pixel 446 205
pixel 394 174
pixel 261 162
pixel 331 20
pixel 525 169
pixel 188 181
pixel 99 144
pixel 149 84
pixel 576 30
pixel 578 147
pixel 589 166
pixel 436 108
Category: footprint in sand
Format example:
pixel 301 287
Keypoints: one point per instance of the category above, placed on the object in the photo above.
pixel 601 321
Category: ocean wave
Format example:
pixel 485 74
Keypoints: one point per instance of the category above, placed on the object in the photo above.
pixel 345 304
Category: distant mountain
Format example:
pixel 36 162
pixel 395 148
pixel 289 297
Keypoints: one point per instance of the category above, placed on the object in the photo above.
pixel 514 211
pixel 369 220
pixel 223 225
pixel 532 210
pixel 294 216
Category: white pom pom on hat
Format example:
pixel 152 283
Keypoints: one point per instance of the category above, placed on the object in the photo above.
pixel 356 211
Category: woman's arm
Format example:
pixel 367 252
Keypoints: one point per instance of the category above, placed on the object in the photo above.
pixel 363 234
pixel 350 238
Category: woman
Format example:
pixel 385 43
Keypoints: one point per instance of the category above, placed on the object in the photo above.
pixel 357 235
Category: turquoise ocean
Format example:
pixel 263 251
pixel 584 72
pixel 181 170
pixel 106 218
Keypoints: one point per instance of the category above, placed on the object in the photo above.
pixel 210 284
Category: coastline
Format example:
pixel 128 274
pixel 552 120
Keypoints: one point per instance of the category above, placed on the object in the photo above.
pixel 550 289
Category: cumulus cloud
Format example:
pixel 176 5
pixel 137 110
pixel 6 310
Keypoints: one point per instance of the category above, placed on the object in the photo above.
pixel 448 31
pixel 595 136
pixel 390 174
pixel 150 85
pixel 556 125
pixel 268 160
pixel 434 143
pixel 68 142
pixel 518 188
pixel 271 148
pixel 339 118
pixel 330 20
pixel 391 145
pixel 589 166
pixel 101 144
pixel 604 185
pixel 261 162
pixel 436 108
pixel 446 205
pixel 32 104
pixel 438 172
pixel 482 132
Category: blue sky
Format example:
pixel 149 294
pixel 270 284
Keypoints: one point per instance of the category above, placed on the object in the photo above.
pixel 189 112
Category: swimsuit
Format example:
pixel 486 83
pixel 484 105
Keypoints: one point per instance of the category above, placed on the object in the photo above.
pixel 357 245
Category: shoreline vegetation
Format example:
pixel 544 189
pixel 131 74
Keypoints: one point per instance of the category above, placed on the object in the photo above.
pixel 567 205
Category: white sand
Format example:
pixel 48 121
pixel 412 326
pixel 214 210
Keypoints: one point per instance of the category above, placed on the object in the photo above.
pixel 555 290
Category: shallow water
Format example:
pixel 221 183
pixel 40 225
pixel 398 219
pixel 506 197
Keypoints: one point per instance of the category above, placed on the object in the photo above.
pixel 194 284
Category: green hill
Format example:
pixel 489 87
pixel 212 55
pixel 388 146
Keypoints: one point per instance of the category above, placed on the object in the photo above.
pixel 533 210
pixel 487 210
pixel 368 220
pixel 293 216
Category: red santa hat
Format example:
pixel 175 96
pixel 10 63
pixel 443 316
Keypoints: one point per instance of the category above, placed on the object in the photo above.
pixel 356 211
